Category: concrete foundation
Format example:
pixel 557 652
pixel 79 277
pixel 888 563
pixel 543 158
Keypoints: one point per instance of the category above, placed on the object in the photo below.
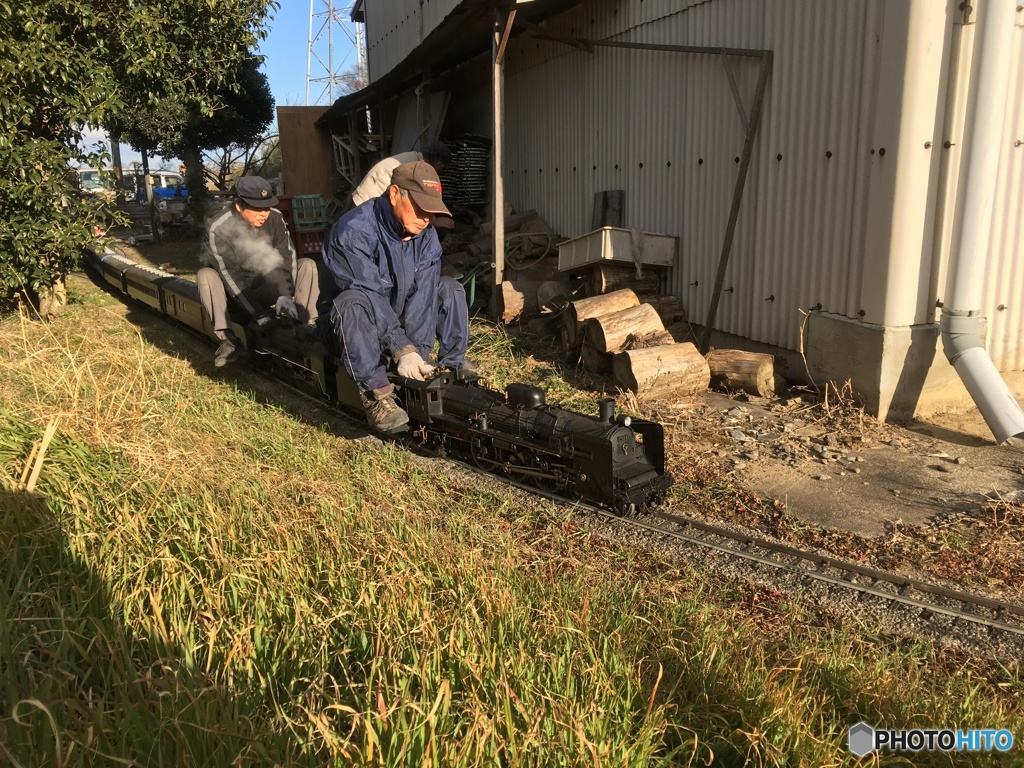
pixel 897 372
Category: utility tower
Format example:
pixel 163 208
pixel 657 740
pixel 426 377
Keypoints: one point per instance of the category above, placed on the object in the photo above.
pixel 336 56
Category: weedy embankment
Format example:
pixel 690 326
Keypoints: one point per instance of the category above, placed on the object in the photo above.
pixel 197 574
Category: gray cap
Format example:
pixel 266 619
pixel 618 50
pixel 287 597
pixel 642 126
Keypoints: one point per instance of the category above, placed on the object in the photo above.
pixel 255 191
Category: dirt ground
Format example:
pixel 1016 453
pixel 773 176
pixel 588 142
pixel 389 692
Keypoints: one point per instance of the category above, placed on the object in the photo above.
pixel 843 470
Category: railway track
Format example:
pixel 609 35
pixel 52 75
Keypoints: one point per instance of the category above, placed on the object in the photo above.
pixel 939 612
pixel 942 601
pixel 944 610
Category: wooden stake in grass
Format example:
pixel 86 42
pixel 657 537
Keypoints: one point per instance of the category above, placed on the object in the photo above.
pixel 40 454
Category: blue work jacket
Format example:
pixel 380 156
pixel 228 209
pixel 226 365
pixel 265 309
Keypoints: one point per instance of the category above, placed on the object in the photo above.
pixel 365 251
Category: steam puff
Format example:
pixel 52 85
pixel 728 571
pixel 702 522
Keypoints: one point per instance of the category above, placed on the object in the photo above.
pixel 251 256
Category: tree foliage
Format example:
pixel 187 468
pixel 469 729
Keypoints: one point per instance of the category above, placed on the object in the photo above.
pixel 69 64
pixel 224 165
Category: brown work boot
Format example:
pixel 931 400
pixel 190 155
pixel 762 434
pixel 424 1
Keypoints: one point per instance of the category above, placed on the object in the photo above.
pixel 382 412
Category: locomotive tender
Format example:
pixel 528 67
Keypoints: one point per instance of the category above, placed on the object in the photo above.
pixel 611 461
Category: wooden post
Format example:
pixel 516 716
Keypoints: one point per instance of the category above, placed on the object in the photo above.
pixel 501 33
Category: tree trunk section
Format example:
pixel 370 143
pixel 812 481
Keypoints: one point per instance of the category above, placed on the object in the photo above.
pixel 734 370
pixel 605 278
pixel 669 371
pixel 518 300
pixel 669 308
pixel 594 360
pixel 53 301
pixel 612 332
pixel 512 223
pixel 579 311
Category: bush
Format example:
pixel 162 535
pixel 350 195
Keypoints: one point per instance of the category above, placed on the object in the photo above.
pixel 68 64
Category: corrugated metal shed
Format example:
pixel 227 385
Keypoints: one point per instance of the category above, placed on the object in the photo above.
pixel 394 29
pixel 848 201
pixel 840 204
pixel 664 127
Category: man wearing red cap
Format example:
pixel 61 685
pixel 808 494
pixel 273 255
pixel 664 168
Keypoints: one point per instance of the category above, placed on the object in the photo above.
pixel 393 303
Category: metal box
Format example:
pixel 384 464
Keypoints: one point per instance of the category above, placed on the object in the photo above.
pixel 615 244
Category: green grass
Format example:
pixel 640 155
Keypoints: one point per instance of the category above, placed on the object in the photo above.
pixel 201 576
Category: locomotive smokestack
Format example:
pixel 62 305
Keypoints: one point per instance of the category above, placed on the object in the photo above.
pixel 607 410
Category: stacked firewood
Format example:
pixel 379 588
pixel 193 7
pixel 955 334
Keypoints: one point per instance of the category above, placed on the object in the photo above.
pixel 623 333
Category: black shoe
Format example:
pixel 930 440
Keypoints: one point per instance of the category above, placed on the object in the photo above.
pixel 228 351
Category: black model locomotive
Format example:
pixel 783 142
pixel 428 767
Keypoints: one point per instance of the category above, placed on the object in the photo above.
pixel 611 461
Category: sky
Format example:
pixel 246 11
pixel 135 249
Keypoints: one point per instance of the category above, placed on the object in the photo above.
pixel 285 51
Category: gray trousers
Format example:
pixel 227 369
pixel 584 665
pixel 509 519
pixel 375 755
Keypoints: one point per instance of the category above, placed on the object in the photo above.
pixel 215 301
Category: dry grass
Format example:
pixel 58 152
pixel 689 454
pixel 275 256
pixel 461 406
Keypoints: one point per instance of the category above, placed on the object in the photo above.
pixel 204 577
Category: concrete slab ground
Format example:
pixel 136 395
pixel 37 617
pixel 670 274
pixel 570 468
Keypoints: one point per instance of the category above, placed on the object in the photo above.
pixel 851 473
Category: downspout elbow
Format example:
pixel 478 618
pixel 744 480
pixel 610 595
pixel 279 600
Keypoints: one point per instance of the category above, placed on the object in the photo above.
pixel 959 334
pixel 961 343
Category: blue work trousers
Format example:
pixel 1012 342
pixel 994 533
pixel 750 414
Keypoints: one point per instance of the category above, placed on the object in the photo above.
pixel 360 333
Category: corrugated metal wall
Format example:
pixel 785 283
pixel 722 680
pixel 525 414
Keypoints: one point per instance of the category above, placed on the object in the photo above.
pixel 664 127
pixel 395 27
pixel 1004 290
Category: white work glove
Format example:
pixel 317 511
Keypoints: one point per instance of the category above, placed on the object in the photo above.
pixel 285 306
pixel 412 366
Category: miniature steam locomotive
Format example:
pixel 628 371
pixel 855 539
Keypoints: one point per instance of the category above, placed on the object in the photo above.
pixel 611 461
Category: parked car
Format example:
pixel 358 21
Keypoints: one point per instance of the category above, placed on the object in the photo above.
pixel 96 183
pixel 165 185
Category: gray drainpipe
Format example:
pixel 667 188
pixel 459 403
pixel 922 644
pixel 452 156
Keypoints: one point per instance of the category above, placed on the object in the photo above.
pixel 960 323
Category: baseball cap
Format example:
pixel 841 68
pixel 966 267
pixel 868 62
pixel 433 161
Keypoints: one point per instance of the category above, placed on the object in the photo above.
pixel 420 180
pixel 255 191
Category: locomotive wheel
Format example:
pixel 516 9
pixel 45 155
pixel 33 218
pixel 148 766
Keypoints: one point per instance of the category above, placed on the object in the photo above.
pixel 511 463
pixel 622 508
pixel 551 483
pixel 480 456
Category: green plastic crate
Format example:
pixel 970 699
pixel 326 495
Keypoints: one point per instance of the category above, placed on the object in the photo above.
pixel 308 212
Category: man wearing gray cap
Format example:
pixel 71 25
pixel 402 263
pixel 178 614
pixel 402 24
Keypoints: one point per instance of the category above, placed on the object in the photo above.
pixel 252 267
pixel 393 303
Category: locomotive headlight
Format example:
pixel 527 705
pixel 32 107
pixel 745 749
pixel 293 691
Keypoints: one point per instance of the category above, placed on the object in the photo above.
pixel 624 421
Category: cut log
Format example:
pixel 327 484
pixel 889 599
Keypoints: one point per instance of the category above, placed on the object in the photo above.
pixel 519 300
pixel 735 370
pixel 580 310
pixel 594 360
pixel 611 332
pixel 669 308
pixel 605 278
pixel 512 223
pixel 655 339
pixel 665 372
